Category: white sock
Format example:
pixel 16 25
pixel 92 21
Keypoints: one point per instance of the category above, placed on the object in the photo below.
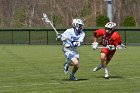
pixel 106 71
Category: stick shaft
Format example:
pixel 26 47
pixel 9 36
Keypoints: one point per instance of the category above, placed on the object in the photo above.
pixel 53 27
pixel 116 47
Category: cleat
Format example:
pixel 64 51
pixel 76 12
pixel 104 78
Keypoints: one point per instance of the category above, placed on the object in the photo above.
pixel 73 78
pixel 96 69
pixel 106 76
pixel 66 67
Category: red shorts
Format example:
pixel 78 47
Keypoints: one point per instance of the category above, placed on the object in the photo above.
pixel 109 54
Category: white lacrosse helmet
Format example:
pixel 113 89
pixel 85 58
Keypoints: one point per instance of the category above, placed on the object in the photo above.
pixel 78 25
pixel 109 27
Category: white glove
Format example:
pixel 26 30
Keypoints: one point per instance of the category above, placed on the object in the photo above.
pixel 75 43
pixel 110 47
pixel 58 37
pixel 94 45
pixel 67 45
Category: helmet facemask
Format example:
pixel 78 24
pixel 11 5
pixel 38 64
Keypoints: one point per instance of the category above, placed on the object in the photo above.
pixel 109 30
pixel 109 27
pixel 78 28
pixel 78 25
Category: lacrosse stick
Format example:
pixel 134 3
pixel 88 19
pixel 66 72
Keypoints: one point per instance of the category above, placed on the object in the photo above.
pixel 122 46
pixel 46 19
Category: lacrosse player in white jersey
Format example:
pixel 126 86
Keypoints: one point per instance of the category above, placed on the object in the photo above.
pixel 72 38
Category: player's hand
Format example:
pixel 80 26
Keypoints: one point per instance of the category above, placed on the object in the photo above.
pixel 58 37
pixel 110 47
pixel 94 45
pixel 67 45
pixel 76 43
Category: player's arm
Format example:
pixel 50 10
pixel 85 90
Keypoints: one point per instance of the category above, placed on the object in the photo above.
pixel 65 38
pixel 118 44
pixel 95 43
pixel 62 36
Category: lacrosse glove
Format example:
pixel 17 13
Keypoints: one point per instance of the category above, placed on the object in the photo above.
pixel 58 37
pixel 110 47
pixel 94 45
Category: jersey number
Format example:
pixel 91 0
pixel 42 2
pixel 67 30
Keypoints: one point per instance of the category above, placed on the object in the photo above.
pixel 105 42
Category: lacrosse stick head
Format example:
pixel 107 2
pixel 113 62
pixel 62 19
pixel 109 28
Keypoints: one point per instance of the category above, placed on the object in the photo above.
pixel 122 46
pixel 45 18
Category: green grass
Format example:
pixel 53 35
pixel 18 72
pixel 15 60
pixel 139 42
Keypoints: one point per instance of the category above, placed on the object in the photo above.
pixel 39 69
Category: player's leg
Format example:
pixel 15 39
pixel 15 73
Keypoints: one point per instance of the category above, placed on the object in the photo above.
pixel 100 65
pixel 104 64
pixel 75 64
pixel 105 59
pixel 66 63
pixel 66 66
pixel 97 68
pixel 109 56
pixel 73 57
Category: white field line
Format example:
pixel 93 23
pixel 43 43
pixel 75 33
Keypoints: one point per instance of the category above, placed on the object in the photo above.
pixel 57 83
pixel 27 85
pixel 39 84
pixel 126 78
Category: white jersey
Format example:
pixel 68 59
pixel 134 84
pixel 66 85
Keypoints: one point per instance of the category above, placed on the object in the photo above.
pixel 69 36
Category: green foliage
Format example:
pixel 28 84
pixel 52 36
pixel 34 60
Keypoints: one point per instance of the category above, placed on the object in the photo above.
pixel 57 19
pixel 101 20
pixel 129 21
pixel 0 21
pixel 18 19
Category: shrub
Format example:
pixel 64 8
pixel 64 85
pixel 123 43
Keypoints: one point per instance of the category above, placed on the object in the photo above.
pixel 57 20
pixel 101 20
pixel 18 19
pixel 129 21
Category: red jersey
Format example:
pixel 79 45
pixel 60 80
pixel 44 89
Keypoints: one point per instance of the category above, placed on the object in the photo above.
pixel 108 39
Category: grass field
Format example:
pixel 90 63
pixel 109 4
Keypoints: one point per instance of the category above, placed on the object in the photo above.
pixel 39 69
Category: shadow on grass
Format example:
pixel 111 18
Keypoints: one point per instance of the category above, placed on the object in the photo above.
pixel 82 79
pixel 117 77
pixel 111 77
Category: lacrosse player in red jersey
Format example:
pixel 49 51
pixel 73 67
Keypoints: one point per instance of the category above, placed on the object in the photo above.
pixel 110 40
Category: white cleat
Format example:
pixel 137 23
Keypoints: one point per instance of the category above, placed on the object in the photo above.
pixel 106 76
pixel 95 69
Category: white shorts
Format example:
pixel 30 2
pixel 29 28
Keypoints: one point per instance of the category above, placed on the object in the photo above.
pixel 71 54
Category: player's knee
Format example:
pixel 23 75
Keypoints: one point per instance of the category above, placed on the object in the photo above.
pixel 76 63
pixel 103 57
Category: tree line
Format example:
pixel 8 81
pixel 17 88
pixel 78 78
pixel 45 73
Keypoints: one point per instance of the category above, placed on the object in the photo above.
pixel 28 13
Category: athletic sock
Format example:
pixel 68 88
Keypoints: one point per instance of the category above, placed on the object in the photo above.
pixel 106 71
